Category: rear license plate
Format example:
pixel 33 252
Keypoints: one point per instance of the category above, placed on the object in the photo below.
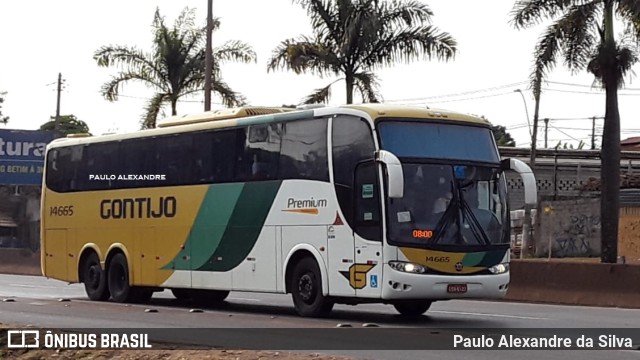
pixel 457 288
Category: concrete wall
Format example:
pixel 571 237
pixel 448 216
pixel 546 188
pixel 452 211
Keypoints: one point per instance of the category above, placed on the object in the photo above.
pixel 575 283
pixel 570 227
pixel 22 205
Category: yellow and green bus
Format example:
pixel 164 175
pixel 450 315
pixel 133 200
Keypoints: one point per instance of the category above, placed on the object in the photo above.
pixel 350 204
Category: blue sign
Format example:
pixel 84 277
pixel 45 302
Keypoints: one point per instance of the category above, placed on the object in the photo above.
pixel 22 156
pixel 374 281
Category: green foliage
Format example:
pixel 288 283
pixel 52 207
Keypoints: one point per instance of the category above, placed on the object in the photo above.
pixel 503 138
pixel 352 38
pixel 69 124
pixel 3 119
pixel 176 65
pixel 567 146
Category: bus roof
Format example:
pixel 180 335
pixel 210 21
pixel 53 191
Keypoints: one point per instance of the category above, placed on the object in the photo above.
pixel 375 111
pixel 381 111
pixel 260 115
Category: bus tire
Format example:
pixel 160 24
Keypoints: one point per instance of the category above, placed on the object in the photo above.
pixel 141 295
pixel 118 275
pixel 306 290
pixel 412 308
pixel 94 278
pixel 181 294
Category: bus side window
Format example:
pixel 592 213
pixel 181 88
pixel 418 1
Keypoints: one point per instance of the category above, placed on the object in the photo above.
pixel 303 151
pixel 261 153
pixel 352 143
pixel 55 175
pixel 175 157
pixel 223 155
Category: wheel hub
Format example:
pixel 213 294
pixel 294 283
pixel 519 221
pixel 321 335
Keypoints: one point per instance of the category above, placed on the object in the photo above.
pixel 306 288
pixel 93 277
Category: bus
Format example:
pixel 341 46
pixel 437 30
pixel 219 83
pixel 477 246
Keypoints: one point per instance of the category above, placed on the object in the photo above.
pixel 351 204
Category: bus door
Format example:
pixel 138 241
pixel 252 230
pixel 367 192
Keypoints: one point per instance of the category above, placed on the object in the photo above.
pixel 367 222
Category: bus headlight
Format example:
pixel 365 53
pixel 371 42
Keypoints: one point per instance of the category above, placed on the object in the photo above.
pixel 499 269
pixel 407 267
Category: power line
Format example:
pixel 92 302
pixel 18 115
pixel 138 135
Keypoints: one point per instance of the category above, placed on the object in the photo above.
pixel 583 86
pixel 563 132
pixel 576 118
pixel 500 87
pixel 586 92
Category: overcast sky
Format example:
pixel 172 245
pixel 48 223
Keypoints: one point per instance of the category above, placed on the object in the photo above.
pixel 41 38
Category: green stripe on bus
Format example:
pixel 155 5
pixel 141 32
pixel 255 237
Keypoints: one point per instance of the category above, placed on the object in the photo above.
pixel 244 226
pixel 210 224
pixel 484 258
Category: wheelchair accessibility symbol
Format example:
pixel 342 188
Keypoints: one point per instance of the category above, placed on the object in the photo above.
pixel 374 281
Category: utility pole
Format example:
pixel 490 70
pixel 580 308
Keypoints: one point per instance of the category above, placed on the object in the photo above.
pixel 208 58
pixel 593 133
pixel 57 122
pixel 546 131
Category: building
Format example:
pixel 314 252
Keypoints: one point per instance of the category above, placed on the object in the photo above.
pixel 630 144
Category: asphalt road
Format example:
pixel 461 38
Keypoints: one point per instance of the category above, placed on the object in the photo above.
pixel 36 302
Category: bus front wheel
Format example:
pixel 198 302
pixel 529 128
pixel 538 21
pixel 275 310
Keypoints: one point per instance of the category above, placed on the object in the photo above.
pixel 94 278
pixel 412 308
pixel 306 290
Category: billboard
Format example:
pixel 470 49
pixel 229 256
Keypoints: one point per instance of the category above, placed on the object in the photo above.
pixel 22 156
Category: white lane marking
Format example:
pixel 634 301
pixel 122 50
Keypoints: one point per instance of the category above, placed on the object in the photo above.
pixel 490 315
pixel 243 299
pixel 37 304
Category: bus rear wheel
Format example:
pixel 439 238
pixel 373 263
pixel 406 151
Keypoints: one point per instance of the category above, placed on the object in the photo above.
pixel 118 280
pixel 412 308
pixel 94 278
pixel 306 290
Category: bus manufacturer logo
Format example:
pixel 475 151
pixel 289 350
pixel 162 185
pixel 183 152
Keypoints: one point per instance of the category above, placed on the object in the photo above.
pixel 357 275
pixel 459 266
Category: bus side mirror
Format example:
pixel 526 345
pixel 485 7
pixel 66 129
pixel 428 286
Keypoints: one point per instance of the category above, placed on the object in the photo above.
pixel 395 177
pixel 528 179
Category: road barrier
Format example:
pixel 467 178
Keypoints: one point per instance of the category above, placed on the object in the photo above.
pixel 19 262
pixel 575 283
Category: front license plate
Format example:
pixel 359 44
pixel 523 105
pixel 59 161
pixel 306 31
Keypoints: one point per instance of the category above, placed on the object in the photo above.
pixel 457 288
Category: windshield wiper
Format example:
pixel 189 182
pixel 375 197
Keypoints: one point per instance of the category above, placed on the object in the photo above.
pixel 444 220
pixel 477 230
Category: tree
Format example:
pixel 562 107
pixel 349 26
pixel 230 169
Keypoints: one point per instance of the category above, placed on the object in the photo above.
pixel 3 119
pixel 352 38
pixel 176 65
pixel 567 146
pixel 503 138
pixel 582 33
pixel 69 124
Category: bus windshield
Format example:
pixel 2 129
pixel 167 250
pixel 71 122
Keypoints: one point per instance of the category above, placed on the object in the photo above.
pixel 449 205
pixel 438 141
pixel 455 191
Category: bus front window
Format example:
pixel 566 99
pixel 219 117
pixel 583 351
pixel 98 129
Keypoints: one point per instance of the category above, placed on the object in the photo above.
pixel 449 205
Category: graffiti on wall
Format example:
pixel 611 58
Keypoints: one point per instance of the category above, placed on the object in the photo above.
pixel 575 235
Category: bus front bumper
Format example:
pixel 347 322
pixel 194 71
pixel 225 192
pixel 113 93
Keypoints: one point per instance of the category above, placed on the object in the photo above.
pixel 402 285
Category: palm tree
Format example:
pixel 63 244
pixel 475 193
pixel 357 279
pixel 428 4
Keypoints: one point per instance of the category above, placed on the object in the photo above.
pixel 353 38
pixel 175 67
pixel 582 33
